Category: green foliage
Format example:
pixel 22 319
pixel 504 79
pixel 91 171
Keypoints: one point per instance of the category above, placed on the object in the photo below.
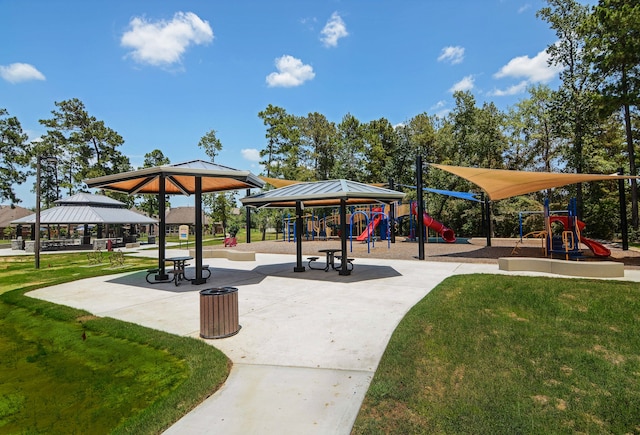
pixel 84 146
pixel 210 144
pixel 13 155
pixel 150 203
pixel 612 35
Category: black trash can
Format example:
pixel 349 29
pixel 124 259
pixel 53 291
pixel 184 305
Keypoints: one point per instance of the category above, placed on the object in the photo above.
pixel 151 239
pixel 219 312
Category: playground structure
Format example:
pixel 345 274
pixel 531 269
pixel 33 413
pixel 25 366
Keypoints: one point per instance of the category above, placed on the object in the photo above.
pixel 447 234
pixel 567 241
pixel 366 224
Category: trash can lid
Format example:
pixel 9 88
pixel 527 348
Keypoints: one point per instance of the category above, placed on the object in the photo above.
pixel 218 290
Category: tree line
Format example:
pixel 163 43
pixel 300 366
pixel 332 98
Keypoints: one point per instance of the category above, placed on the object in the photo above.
pixel 588 124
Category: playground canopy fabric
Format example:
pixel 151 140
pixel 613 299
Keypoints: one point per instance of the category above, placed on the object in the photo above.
pixel 502 184
pixel 278 182
pixel 470 196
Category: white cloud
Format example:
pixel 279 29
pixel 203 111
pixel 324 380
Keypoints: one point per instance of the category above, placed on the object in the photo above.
pixel 511 90
pixel 20 72
pixel 251 154
pixel 466 84
pixel 525 7
pixel 164 42
pixel 333 30
pixel 453 55
pixel 291 72
pixel 440 109
pixel 534 70
pixel 529 70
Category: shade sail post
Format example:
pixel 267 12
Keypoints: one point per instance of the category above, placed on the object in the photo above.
pixel 623 213
pixel 162 276
pixel 487 220
pixel 483 223
pixel 299 210
pixel 198 220
pixel 420 212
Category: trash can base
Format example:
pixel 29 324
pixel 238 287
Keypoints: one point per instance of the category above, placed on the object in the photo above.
pixel 214 337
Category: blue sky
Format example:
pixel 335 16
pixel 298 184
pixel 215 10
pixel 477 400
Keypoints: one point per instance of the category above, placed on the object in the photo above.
pixel 163 73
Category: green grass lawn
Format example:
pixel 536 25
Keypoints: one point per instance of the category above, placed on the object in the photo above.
pixel 63 370
pixel 489 354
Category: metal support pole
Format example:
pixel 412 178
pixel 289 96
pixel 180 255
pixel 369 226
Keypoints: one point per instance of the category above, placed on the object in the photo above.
pixel 392 214
pixel 161 229
pixel 623 213
pixel 298 229
pixel 198 248
pixel 248 219
pixel 487 207
pixel 36 245
pixel 343 238
pixel 420 211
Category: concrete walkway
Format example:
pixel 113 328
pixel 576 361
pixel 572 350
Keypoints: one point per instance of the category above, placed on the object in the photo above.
pixel 309 344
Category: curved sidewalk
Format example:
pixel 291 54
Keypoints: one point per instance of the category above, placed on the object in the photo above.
pixel 309 345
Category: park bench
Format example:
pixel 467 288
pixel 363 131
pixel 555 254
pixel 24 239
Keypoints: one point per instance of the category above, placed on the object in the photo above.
pixel 349 262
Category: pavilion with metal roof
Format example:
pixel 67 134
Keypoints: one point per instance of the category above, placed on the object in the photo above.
pixel 322 194
pixel 193 177
pixel 86 208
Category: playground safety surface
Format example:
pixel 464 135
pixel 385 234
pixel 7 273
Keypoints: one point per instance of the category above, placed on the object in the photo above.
pixel 474 251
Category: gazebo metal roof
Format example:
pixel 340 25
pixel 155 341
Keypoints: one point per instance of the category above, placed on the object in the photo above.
pixel 323 194
pixel 84 198
pixel 85 208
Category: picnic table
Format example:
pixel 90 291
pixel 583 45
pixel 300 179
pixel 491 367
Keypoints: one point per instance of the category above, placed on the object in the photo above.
pixel 179 264
pixel 330 259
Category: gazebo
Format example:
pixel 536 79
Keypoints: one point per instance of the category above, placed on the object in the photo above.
pixel 193 177
pixel 322 194
pixel 85 209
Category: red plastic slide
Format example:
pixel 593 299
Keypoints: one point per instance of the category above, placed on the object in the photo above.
pixel 446 233
pixel 370 228
pixel 598 249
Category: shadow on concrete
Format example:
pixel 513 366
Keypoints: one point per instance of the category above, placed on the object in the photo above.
pixel 220 277
pixel 361 272
pixel 226 277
